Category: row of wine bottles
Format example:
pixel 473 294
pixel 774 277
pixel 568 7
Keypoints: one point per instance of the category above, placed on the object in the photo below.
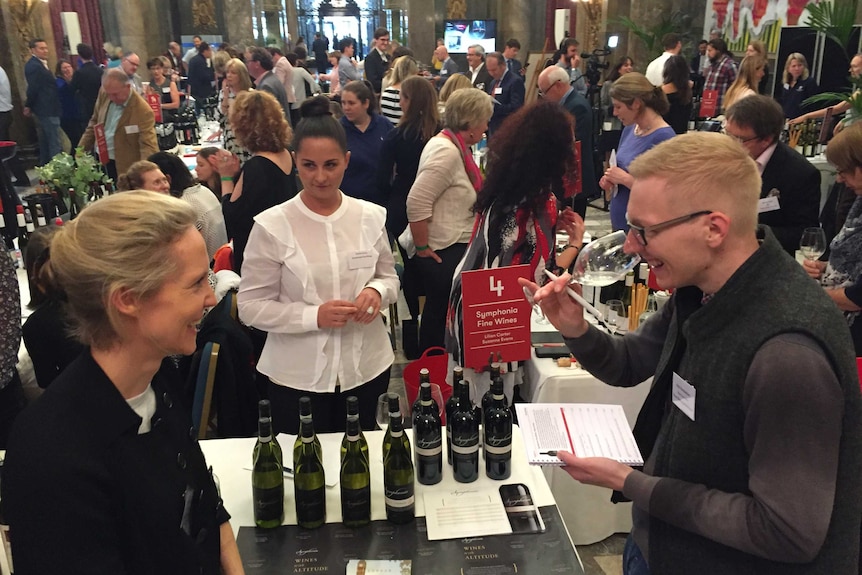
pixel 400 470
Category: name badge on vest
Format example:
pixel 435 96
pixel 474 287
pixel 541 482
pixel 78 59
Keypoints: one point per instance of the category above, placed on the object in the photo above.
pixel 360 260
pixel 683 395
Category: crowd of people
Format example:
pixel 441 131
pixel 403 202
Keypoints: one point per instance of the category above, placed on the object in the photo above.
pixel 311 196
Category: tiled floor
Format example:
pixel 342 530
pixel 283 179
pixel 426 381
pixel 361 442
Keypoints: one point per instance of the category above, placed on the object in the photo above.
pixel 604 557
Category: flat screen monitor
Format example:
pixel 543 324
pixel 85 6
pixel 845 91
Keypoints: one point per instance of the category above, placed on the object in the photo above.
pixel 458 35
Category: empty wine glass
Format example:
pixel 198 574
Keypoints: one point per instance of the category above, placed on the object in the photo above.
pixel 382 413
pixel 617 319
pixel 813 243
pixel 600 263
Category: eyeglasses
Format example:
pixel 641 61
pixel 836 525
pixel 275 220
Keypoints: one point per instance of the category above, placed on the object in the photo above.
pixel 641 231
pixel 548 89
pixel 740 139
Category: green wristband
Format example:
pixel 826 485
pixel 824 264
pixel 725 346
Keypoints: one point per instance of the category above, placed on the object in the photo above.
pixel 226 179
pixel 421 248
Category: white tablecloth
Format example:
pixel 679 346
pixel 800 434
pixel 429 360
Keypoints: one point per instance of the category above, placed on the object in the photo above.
pixel 586 510
pixel 827 176
pixel 228 458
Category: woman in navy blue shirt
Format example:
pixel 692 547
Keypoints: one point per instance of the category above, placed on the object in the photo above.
pixel 365 130
pixel 797 86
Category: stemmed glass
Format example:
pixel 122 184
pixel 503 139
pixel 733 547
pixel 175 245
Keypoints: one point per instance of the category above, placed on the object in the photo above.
pixel 600 263
pixel 382 414
pixel 813 243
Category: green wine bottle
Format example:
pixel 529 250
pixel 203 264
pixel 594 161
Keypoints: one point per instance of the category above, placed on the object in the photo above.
pixel 309 484
pixel 353 413
pixel 394 409
pixel 398 475
pixel 355 479
pixel 264 411
pixel 305 415
pixel 267 479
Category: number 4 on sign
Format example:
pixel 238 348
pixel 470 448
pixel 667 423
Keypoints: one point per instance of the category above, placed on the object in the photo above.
pixel 498 287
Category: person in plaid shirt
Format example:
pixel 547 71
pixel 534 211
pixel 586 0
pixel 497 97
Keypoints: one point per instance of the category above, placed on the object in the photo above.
pixel 721 71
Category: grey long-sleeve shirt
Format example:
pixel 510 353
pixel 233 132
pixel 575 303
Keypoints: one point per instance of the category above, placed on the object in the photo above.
pixel 793 411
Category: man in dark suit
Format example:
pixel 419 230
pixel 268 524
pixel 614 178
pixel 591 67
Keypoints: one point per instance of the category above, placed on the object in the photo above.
pixel 201 76
pixel 477 71
pixel 175 57
pixel 554 86
pixel 87 80
pixel 790 192
pixel 43 100
pixel 320 47
pixel 506 88
pixel 448 69
pixel 510 53
pixel 377 62
pixel 260 65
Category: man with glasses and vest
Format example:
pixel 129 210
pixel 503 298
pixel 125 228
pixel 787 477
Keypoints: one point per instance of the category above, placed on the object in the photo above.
pixel 751 431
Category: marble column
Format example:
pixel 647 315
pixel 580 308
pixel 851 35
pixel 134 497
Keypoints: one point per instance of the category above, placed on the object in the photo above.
pixel 421 28
pixel 237 18
pixel 515 23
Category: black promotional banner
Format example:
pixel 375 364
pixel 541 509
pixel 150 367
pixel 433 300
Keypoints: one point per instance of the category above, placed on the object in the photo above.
pixel 292 550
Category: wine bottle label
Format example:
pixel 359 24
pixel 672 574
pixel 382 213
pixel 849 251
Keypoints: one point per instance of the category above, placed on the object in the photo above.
pixel 398 496
pixel 461 450
pixel 308 439
pixel 356 504
pixel 310 504
pixel 352 438
pixel 268 502
pixel 429 448
pixel 396 433
pixel 498 449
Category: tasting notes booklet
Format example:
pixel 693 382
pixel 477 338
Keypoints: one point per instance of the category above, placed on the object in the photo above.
pixel 585 429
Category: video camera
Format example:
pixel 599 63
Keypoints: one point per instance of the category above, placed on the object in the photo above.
pixel 595 63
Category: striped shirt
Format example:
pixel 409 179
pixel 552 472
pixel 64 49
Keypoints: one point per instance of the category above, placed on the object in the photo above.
pixel 390 105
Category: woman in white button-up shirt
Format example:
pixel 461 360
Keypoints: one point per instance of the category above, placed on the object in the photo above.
pixel 318 269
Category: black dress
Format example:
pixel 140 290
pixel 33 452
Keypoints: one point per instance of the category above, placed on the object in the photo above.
pixel 86 493
pixel 264 185
pixel 679 114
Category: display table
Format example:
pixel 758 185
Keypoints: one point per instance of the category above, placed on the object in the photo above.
pixel 328 548
pixel 587 510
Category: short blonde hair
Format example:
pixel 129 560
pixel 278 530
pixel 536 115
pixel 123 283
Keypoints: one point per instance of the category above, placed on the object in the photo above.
pixel 845 149
pixel 402 68
pixel 220 60
pixel 238 67
pixel 634 86
pixel 123 241
pixel 466 108
pixel 729 182
pixel 258 122
pixel 455 82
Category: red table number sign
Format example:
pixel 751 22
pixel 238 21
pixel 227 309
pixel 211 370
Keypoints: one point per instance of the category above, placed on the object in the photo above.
pixel 496 315
pixel 709 104
pixel 155 102
pixel 101 143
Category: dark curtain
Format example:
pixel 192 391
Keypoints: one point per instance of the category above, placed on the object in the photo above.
pixel 90 19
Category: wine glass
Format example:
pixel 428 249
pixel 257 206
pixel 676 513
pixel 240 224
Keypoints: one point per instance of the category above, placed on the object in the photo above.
pixel 382 413
pixel 437 395
pixel 617 320
pixel 600 263
pixel 813 243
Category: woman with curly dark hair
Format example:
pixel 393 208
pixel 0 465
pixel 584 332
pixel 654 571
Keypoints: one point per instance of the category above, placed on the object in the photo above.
pixel 516 210
pixel 267 178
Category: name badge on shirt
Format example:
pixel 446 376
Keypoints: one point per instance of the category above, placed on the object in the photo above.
pixel 498 90
pixel 683 395
pixel 133 129
pixel 166 90
pixel 768 204
pixel 361 260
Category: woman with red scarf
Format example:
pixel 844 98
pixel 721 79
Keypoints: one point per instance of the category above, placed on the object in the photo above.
pixel 439 205
pixel 529 158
